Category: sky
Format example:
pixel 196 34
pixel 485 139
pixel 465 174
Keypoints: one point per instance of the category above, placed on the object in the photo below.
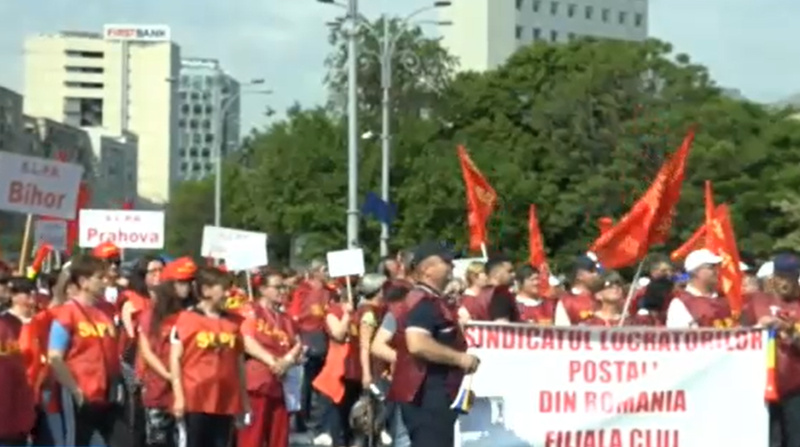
pixel 750 45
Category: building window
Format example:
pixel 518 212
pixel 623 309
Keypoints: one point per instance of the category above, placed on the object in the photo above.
pixel 197 109
pixel 195 167
pixel 196 138
pixel 209 138
pixel 537 34
pixel 571 36
pixel 182 153
pixel 184 109
pixel 623 16
pixel 92 85
pixel 181 123
pixel 209 109
pixel 185 80
pixel 518 32
pixel 553 8
pixel 195 96
pixel 205 153
pixel 589 12
pixel 206 96
pixel 519 5
pixel 536 5
pixel 197 82
pixel 193 152
pixel 192 124
pixel 638 19
pixel 553 36
pixel 209 166
pixel 73 69
pixel 206 124
pixel 605 14
pixel 183 167
pixel 571 9
pixel 84 54
pixel 182 95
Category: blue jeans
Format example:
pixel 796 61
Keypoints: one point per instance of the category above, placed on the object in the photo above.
pixel 49 429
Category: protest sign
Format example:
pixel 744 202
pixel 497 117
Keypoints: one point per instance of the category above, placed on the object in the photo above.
pixel 125 228
pixel 626 387
pixel 33 185
pixel 346 263
pixel 242 255
pixel 217 241
pixel 51 232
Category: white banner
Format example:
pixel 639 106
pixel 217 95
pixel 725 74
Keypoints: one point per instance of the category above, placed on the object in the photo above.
pixel 222 243
pixel 627 387
pixel 125 228
pixel 53 232
pixel 33 185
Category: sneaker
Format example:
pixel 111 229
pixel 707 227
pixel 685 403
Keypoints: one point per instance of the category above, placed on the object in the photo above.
pixel 300 439
pixel 386 438
pixel 323 439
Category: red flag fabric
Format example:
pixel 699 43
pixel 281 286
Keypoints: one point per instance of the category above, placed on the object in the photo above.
pixel 650 219
pixel 538 257
pixel 722 241
pixel 699 238
pixel 604 224
pixel 481 200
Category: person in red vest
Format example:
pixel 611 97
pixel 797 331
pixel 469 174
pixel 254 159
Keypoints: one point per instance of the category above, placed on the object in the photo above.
pixel 272 347
pixel 500 277
pixel 308 308
pixel 152 366
pixel 780 311
pixel 207 365
pixel 580 298
pixel 84 358
pixel 112 256
pixel 533 308
pixel 699 304
pixel 431 353
pixel 17 405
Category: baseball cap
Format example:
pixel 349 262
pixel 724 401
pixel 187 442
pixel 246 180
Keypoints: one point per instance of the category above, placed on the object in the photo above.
pixel 699 258
pixel 371 283
pixel 429 250
pixel 766 270
pixel 181 269
pixel 106 250
pixel 786 264
pixel 585 262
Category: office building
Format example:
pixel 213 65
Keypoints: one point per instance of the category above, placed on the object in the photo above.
pixel 206 92
pixel 484 33
pixel 121 87
pixel 115 168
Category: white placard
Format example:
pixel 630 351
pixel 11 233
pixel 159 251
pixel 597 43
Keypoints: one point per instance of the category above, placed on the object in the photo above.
pixel 217 241
pixel 242 255
pixel 346 263
pixel 627 387
pixel 52 232
pixel 125 228
pixel 32 185
pixel 137 33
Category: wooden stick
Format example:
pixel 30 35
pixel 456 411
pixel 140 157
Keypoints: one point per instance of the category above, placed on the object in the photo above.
pixel 25 251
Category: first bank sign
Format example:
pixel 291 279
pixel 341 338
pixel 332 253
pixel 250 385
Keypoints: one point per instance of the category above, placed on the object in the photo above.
pixel 137 33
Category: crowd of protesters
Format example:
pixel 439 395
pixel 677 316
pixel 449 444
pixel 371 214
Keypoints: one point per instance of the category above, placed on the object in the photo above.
pixel 173 353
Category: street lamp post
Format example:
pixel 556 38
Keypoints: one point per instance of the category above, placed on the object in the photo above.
pixel 388 46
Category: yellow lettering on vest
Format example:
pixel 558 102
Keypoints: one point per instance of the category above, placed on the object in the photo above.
pixel 204 339
pixel 545 322
pixel 227 339
pixel 316 310
pixel 724 323
pixel 10 347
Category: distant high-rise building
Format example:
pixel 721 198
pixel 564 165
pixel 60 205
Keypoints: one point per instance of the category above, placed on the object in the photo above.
pixel 79 79
pixel 206 92
pixel 484 33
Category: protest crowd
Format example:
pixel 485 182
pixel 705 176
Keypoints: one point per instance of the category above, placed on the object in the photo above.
pixel 201 353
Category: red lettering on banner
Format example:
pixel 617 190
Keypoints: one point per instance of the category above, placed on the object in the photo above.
pixel 628 340
pixel 613 438
pixel 558 402
pixel 94 235
pixel 609 371
pixel 29 194
pixel 642 402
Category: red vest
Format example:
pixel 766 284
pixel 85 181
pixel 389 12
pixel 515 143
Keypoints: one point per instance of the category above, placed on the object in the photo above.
pixel 156 391
pixel 409 371
pixel 577 305
pixel 275 332
pixel 787 362
pixel 478 306
pixel 309 307
pixel 541 314
pixel 592 319
pixel 17 414
pixel 92 357
pixel 707 311
pixel 210 363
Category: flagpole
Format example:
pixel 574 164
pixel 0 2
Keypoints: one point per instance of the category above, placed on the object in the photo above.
pixel 632 291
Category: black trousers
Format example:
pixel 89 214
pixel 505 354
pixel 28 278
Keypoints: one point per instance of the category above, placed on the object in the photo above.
pixel 312 412
pixel 95 419
pixel 429 420
pixel 209 430
pixel 21 441
pixel 785 422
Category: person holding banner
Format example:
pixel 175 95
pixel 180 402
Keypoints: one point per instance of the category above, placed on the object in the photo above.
pixel 84 357
pixel 152 365
pixel 431 353
pixel 781 312
pixel 699 304
pixel 272 347
pixel 207 366
pixel 585 272
pixel 17 413
pixel 531 307
pixel 500 277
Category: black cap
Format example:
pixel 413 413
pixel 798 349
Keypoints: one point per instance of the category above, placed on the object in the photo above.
pixel 584 262
pixel 429 250
pixel 786 264
pixel 21 284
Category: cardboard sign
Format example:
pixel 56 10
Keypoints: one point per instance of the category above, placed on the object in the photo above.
pixel 32 185
pixel 346 263
pixel 52 232
pixel 221 243
pixel 242 255
pixel 125 228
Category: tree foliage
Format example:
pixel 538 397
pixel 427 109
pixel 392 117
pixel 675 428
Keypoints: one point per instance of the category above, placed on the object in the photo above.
pixel 578 129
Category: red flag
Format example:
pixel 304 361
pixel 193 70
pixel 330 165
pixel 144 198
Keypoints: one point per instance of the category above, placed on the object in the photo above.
pixel 650 219
pixel 481 200
pixel 698 238
pixel 538 257
pixel 722 241
pixel 604 224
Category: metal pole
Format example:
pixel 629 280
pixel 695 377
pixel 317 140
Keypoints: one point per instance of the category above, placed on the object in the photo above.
pixel 217 92
pixel 352 127
pixel 386 85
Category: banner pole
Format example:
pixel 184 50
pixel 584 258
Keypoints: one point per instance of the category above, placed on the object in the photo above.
pixel 632 291
pixel 25 250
